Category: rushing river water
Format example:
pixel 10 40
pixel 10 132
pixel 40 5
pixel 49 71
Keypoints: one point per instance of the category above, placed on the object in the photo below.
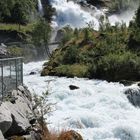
pixel 98 110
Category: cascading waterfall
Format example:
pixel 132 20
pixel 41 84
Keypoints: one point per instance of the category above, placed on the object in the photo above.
pixel 40 7
pixel 71 13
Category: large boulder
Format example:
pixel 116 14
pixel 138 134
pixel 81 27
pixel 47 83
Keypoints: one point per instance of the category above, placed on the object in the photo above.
pixel 15 116
pixel 1 136
pixel 133 95
pixel 5 118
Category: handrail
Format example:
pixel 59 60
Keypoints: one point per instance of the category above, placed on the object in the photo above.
pixel 10 78
pixel 8 59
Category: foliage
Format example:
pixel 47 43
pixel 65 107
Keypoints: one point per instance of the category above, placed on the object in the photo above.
pixel 43 108
pixel 112 53
pixel 16 11
pixel 48 12
pixel 41 35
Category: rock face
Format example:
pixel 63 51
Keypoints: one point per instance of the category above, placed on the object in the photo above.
pixel 70 135
pixel 133 96
pixel 15 117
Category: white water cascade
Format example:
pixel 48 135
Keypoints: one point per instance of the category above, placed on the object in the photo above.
pixel 40 7
pixel 71 13
pixel 98 110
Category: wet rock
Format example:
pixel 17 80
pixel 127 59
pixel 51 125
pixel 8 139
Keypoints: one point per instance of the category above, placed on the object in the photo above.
pixel 73 87
pixel 126 82
pixel 32 73
pixel 133 96
pixel 60 34
pixel 70 135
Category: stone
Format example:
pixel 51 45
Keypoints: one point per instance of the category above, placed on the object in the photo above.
pixel 5 118
pixel 16 114
pixel 126 82
pixel 32 73
pixel 70 135
pixel 20 112
pixel 1 136
pixel 73 87
pixel 133 96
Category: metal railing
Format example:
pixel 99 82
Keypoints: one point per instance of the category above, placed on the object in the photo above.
pixel 11 75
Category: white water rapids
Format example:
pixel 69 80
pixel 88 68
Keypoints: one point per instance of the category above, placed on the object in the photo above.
pixel 98 110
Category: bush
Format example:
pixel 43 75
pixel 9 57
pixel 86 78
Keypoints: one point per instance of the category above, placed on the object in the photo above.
pixel 77 70
pixel 115 67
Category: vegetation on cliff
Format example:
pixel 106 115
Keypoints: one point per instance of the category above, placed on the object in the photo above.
pixel 17 11
pixel 112 53
pixel 23 29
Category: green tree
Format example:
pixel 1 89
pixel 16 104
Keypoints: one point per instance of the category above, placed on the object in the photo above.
pixel 17 11
pixel 137 19
pixel 41 34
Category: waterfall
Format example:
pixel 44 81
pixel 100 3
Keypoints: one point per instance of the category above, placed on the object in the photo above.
pixel 40 7
pixel 71 13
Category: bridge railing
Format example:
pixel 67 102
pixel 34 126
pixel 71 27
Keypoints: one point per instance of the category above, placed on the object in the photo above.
pixel 11 75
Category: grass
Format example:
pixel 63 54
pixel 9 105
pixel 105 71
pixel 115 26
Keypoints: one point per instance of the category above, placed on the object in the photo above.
pixel 15 27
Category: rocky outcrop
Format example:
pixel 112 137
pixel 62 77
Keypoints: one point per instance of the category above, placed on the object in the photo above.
pixel 133 96
pixel 15 116
pixel 70 135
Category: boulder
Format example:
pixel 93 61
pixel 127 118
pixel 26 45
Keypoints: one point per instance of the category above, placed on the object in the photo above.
pixel 73 87
pixel 15 116
pixel 70 135
pixel 1 136
pixel 5 118
pixel 133 96
pixel 32 73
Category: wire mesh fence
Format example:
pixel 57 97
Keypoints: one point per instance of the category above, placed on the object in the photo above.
pixel 11 75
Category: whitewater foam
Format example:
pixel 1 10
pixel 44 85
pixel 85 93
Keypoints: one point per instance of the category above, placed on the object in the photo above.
pixel 70 13
pixel 98 110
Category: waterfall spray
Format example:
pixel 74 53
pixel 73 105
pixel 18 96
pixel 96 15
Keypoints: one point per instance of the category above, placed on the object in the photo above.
pixel 40 7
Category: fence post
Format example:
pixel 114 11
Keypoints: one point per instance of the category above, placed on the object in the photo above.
pixel 22 71
pixel 16 73
pixel 2 86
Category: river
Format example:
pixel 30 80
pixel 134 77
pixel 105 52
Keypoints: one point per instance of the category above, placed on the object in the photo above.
pixel 98 110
